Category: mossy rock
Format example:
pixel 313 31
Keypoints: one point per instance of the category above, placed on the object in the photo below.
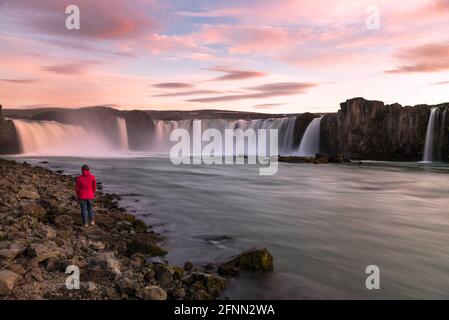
pixel 252 260
pixel 145 243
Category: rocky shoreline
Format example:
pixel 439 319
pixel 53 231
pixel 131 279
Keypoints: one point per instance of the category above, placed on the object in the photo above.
pixel 41 236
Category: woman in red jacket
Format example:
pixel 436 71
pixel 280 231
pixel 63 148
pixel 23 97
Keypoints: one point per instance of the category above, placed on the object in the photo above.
pixel 85 188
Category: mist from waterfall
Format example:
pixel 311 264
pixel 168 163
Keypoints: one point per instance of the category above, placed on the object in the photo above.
pixel 310 142
pixel 285 127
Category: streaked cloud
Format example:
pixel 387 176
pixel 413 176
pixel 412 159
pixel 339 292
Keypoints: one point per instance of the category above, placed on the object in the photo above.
pixel 231 74
pixel 173 85
pixel 18 81
pixel 426 58
pixel 262 91
pixel 187 93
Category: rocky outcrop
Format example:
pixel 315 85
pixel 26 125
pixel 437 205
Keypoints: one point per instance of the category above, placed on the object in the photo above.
pixel 9 143
pixel 371 130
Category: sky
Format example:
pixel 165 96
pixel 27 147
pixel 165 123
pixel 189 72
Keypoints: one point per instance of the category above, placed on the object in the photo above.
pixel 283 56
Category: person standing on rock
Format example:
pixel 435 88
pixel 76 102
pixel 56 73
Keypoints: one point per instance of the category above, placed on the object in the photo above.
pixel 85 188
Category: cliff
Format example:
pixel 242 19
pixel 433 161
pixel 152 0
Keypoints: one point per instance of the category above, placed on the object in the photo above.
pixel 8 137
pixel 371 130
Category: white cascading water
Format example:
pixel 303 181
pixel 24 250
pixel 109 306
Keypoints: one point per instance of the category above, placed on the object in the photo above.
pixel 428 147
pixel 286 127
pixel 310 142
pixel 54 138
pixel 123 134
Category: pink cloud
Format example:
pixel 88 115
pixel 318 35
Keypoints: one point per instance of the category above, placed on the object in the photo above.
pixel 104 20
pixel 235 74
pixel 173 85
pixel 426 58
pixel 243 39
pixel 76 68
pixel 262 91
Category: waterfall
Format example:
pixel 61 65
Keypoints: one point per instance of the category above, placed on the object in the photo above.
pixel 285 127
pixel 123 134
pixel 310 142
pixel 428 147
pixel 53 138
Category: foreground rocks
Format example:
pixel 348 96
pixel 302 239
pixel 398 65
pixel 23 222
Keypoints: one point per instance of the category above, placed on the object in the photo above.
pixel 41 238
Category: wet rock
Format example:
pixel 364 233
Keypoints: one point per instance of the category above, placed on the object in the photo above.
pixel 188 266
pixel 8 281
pixel 210 266
pixel 212 285
pixel 228 271
pixel 163 274
pixel 252 260
pixel 152 293
pixel 145 243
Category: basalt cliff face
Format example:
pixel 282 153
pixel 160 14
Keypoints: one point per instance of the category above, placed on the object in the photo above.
pixel 8 136
pixel 371 130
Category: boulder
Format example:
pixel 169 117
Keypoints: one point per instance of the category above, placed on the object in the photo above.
pixel 127 285
pixel 8 281
pixel 252 260
pixel 152 293
pixel 211 284
pixel 107 260
pixel 42 252
pixel 163 274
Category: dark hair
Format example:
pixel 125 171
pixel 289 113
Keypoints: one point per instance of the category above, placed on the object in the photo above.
pixel 85 167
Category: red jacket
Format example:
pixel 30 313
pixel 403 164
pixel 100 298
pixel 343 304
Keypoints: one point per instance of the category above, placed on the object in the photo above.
pixel 85 186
